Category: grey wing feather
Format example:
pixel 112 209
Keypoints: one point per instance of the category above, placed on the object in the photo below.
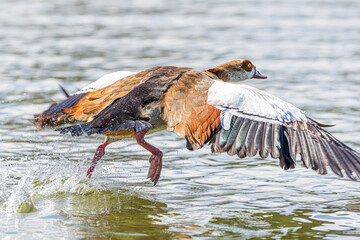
pixel 254 122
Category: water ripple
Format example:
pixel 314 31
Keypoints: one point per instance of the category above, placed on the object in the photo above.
pixel 309 50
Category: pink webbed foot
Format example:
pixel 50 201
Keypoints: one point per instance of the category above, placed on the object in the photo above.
pixel 155 159
pixel 98 154
pixel 155 167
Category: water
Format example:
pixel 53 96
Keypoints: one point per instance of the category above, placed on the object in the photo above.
pixel 310 51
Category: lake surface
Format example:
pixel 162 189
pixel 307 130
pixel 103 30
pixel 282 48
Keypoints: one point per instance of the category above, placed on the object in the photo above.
pixel 310 50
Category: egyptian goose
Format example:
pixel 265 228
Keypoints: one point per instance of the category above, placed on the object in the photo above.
pixel 202 107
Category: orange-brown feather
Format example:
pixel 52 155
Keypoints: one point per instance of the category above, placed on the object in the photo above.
pixel 186 112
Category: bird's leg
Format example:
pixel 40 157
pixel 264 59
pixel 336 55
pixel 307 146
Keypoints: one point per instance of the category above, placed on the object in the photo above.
pixel 155 159
pixel 98 154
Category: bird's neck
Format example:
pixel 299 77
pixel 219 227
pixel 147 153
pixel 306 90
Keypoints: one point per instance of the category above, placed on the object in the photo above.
pixel 218 73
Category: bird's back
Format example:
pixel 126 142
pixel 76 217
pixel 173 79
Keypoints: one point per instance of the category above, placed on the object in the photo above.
pixel 84 106
pixel 140 108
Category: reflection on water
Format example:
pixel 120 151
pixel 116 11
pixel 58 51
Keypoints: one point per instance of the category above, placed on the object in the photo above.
pixel 117 214
pixel 309 50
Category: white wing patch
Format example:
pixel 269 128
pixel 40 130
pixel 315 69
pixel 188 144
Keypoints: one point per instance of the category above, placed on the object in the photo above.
pixel 251 103
pixel 105 80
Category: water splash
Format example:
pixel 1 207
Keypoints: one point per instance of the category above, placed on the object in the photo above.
pixel 28 179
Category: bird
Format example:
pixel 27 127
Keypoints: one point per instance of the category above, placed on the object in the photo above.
pixel 204 107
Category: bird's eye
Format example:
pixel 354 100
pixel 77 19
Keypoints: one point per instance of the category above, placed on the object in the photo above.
pixel 249 65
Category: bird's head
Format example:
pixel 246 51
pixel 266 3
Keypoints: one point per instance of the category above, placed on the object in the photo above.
pixel 236 70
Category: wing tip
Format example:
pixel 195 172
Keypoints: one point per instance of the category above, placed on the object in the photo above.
pixel 321 124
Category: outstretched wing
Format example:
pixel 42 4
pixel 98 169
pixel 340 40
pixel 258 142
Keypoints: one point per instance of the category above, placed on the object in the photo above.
pixel 253 121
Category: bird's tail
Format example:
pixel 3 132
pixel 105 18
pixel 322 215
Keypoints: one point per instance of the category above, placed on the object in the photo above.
pixel 54 115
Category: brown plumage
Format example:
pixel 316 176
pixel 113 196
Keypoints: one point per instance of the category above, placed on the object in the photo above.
pixel 184 109
pixel 200 107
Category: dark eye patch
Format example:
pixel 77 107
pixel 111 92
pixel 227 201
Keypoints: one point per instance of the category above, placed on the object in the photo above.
pixel 247 65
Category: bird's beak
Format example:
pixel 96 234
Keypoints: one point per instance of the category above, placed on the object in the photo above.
pixel 257 74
